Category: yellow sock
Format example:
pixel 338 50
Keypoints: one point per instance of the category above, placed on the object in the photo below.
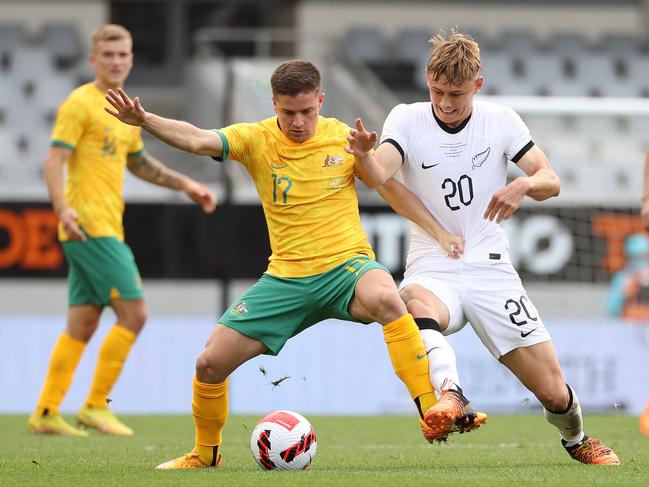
pixel 112 354
pixel 63 363
pixel 210 410
pixel 409 360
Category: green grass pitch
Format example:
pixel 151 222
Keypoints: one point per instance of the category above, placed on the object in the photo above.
pixel 352 451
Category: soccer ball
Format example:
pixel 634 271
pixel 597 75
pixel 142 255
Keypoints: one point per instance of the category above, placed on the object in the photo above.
pixel 283 440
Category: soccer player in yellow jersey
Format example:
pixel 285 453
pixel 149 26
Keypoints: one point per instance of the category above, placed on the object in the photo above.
pixel 321 264
pixel 102 272
pixel 644 417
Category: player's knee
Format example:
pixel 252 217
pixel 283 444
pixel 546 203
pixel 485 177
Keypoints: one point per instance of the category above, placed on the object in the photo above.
pixel 136 320
pixel 388 306
pixel 208 369
pixel 417 307
pixel 82 330
pixel 140 318
pixel 554 398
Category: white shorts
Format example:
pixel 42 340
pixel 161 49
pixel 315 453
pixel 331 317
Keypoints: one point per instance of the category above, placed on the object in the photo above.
pixel 490 297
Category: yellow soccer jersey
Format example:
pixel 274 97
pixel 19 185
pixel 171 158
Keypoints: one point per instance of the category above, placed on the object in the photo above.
pixel 100 145
pixel 307 192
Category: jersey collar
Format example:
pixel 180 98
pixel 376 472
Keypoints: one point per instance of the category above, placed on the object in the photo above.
pixel 446 128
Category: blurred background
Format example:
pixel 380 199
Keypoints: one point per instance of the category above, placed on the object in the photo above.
pixel 577 71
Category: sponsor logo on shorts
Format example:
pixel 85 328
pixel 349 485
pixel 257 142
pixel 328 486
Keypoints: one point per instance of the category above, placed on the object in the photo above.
pixel 241 309
pixel 420 356
pixel 526 334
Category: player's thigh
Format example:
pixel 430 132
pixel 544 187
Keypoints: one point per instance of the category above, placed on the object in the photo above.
pixel 437 293
pixel 422 303
pixel 273 310
pixel 359 289
pixel 376 298
pixel 499 309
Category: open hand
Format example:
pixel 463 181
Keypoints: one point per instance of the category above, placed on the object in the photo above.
pixel 127 110
pixel 360 140
pixel 202 195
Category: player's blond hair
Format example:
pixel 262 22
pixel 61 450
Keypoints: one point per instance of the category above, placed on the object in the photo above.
pixel 295 77
pixel 454 58
pixel 110 32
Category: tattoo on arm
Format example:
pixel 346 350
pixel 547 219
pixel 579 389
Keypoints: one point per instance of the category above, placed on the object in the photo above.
pixel 150 169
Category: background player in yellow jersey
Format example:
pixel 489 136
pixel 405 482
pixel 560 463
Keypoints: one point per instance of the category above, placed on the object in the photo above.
pixel 644 213
pixel 97 148
pixel 321 264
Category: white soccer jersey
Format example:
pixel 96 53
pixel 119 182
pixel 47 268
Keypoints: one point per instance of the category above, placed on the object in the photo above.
pixel 455 172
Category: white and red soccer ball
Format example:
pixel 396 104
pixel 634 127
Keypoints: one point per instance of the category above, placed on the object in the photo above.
pixel 283 440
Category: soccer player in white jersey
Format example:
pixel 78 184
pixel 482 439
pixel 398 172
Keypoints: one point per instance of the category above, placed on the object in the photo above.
pixel 453 155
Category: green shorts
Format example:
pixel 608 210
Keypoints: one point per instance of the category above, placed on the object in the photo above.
pixel 101 269
pixel 277 308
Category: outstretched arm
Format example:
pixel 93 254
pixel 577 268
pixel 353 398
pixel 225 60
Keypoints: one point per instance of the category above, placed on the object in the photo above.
pixel 406 204
pixel 179 134
pixel 374 169
pixel 540 184
pixel 147 167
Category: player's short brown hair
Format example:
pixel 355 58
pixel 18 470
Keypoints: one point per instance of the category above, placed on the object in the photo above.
pixel 454 57
pixel 295 77
pixel 110 32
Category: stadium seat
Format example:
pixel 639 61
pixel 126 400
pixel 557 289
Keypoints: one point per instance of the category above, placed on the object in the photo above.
pixel 546 72
pixel 568 44
pixel 542 125
pixel 63 41
pixel 638 67
pixel 499 76
pixel 365 45
pixel 485 43
pixel 7 92
pixel 20 115
pixel 620 154
pixel 636 128
pixel 518 42
pixel 49 94
pixel 412 48
pixel 564 150
pixel 596 126
pixel 412 45
pixel 22 156
pixel 596 72
pixel 12 36
pixel 618 44
pixel 31 63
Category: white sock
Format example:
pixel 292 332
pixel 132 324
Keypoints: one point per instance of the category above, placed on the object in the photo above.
pixel 441 360
pixel 569 422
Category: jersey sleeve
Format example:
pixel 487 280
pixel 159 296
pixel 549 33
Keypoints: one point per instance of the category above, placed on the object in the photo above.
pixel 71 121
pixel 241 142
pixel 394 131
pixel 517 136
pixel 137 144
